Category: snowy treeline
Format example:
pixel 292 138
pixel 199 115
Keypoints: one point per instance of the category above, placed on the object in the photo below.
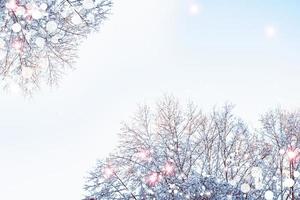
pixel 175 152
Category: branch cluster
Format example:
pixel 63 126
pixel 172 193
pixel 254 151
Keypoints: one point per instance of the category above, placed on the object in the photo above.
pixel 39 39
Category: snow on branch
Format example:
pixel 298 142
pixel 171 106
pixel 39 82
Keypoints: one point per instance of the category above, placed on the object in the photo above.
pixel 39 39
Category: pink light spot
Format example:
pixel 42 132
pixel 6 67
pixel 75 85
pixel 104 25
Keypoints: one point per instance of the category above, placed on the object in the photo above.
pixel 293 154
pixel 153 179
pixel 144 155
pixel 12 5
pixel 108 172
pixel 18 45
pixel 169 169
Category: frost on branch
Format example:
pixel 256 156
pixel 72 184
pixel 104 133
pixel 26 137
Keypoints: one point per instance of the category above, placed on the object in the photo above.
pixel 39 39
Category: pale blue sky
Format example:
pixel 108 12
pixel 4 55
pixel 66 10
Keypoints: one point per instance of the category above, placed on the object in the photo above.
pixel 146 49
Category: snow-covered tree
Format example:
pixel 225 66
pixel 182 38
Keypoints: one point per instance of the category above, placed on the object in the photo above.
pixel 228 146
pixel 281 132
pixel 39 39
pixel 177 153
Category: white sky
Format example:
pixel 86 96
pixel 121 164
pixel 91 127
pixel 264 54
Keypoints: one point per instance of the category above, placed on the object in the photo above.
pixel 145 49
